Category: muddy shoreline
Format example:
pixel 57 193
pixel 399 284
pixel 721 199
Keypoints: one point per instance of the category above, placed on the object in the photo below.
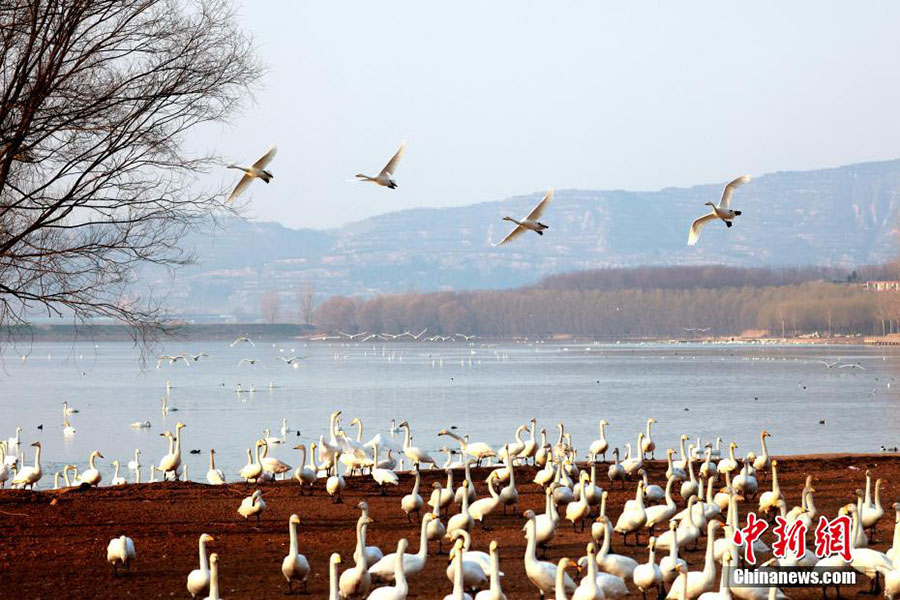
pixel 54 542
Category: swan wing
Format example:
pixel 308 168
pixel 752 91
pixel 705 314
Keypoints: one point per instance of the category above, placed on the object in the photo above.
pixel 728 192
pixel 240 187
pixel 519 230
pixel 391 166
pixel 266 158
pixel 697 225
pixel 538 210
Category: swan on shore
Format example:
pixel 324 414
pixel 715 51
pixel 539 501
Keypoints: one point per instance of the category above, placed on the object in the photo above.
pixel 28 476
pixel 721 211
pixel 120 551
pixel 294 567
pixel 198 579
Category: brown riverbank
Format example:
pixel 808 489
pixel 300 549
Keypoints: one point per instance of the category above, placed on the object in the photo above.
pixel 54 543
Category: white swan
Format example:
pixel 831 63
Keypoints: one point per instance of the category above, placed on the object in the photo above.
pixel 648 575
pixel 294 567
pixel 698 582
pixel 117 479
pixel 214 476
pixel 721 211
pixel 5 471
pixel 385 177
pixel 372 553
pixel 462 520
pixel 457 572
pixel 599 446
pixel 871 511
pixel 355 582
pixel 768 500
pixel 303 474
pixel 649 446
pixel 28 476
pixel 92 475
pixel 610 586
pixel 253 505
pixel 252 470
pixel 412 502
pixel 529 223
pixel 657 515
pixel 386 569
pixel 616 564
pixel 495 591
pixel 213 577
pixel 483 507
pixel 413 453
pixel 120 551
pixel 475 566
pixel 541 573
pixel 255 171
pixel 670 563
pixel 333 563
pixel 477 450
pixel 633 517
pixel 578 510
pixel 400 588
pixel 171 462
pixel 198 579
pixel 383 477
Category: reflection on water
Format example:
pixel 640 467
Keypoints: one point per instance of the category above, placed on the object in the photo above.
pixel 485 391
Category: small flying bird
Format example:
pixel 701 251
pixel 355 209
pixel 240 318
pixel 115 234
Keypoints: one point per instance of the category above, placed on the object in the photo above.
pixel 852 366
pixel 255 171
pixel 291 360
pixel 530 222
pixel 352 336
pixel 465 337
pixel 722 211
pixel 829 365
pixel 249 361
pixel 193 357
pixel 172 359
pixel 415 337
pixel 242 339
pixel 385 177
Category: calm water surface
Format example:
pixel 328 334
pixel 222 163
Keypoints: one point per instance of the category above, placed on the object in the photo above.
pixel 703 390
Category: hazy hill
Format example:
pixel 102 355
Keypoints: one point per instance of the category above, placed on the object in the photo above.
pixel 845 216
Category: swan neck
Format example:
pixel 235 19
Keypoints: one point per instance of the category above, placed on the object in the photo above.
pixel 294 544
pixel 204 561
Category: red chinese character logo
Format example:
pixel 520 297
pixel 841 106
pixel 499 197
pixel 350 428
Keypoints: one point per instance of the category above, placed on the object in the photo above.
pixel 833 537
pixel 749 534
pixel 789 537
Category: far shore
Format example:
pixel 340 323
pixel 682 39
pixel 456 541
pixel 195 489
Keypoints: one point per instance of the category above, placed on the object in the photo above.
pixel 180 331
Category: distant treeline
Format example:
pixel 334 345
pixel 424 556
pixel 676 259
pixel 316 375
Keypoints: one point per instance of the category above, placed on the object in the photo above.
pixel 710 276
pixel 633 303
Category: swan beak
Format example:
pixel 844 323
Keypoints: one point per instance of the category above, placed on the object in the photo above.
pixel 212 539
pixel 100 455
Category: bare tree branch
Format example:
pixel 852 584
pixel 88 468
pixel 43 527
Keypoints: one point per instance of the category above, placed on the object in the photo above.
pixel 96 100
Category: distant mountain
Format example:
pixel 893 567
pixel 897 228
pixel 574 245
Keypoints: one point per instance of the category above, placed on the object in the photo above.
pixel 844 216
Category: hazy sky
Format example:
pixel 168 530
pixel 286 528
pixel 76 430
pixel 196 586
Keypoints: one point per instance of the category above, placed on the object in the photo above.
pixel 500 98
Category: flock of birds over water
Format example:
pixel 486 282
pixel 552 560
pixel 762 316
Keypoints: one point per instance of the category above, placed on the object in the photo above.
pixel 532 222
pixel 695 506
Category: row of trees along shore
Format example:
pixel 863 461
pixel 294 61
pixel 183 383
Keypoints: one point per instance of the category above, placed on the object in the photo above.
pixel 640 302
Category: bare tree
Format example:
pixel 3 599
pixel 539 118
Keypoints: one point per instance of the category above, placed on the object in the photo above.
pixel 270 307
pixel 96 100
pixel 307 302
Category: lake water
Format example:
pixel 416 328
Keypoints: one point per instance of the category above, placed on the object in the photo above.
pixel 484 390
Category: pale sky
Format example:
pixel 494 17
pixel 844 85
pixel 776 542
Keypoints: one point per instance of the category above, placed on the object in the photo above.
pixel 501 98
